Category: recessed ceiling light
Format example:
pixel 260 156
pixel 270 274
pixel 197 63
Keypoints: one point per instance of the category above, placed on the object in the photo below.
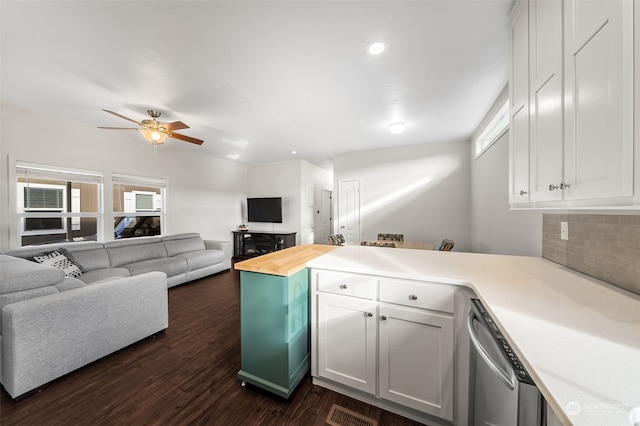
pixel 233 156
pixel 397 127
pixel 294 152
pixel 376 48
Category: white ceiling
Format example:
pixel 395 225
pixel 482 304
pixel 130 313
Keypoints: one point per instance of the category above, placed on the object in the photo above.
pixel 260 79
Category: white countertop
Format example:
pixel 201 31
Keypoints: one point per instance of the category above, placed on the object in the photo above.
pixel 578 337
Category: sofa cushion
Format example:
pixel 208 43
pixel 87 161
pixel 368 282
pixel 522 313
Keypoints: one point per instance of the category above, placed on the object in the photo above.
pixel 17 296
pixel 170 266
pixel 184 244
pixel 202 259
pixel 123 252
pixel 28 252
pixel 90 259
pixel 20 274
pixel 59 260
pixel 69 284
pixel 97 275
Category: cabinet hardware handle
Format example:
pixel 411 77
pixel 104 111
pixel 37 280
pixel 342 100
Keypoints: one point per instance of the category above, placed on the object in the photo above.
pixel 369 314
pixel 383 318
pixel 343 286
pixel 523 192
pixel 553 187
pixel 413 297
pixel 564 186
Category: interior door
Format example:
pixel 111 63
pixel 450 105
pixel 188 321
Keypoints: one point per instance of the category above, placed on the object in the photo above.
pixel 349 210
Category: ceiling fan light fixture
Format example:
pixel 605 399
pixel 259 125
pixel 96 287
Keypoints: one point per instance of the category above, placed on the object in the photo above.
pixel 154 136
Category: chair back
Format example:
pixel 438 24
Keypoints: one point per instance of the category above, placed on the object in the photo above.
pixel 336 240
pixel 446 245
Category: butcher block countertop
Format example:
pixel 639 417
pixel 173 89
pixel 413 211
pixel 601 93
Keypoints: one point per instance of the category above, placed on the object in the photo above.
pixel 284 262
pixel 578 337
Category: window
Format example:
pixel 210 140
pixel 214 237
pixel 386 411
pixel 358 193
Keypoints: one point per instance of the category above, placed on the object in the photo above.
pixel 56 204
pixel 496 128
pixel 138 206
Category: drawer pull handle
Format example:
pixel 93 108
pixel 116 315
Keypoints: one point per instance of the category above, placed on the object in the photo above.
pixel 413 297
pixel 369 314
pixel 343 286
pixel 383 318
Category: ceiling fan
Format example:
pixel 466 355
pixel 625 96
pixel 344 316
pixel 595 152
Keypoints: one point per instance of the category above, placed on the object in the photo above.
pixel 155 131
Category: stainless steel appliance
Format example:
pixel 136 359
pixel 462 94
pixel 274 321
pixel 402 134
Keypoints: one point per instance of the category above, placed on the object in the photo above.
pixel 502 393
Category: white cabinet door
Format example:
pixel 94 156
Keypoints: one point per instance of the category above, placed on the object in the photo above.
pixel 519 104
pixel 598 99
pixel 416 359
pixel 347 341
pixel 546 97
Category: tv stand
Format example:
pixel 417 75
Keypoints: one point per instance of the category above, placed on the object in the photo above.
pixel 247 244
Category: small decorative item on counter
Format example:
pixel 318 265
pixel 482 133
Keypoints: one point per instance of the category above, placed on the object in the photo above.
pixel 243 227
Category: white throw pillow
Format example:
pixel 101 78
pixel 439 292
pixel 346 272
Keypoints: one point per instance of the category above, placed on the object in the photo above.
pixel 59 261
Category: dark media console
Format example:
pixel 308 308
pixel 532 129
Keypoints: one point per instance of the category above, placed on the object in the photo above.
pixel 251 244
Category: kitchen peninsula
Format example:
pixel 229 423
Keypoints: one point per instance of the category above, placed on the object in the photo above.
pixel 578 337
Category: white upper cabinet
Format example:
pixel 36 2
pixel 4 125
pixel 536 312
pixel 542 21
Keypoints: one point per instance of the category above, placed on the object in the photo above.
pixel 519 105
pixel 581 104
pixel 599 99
pixel 546 107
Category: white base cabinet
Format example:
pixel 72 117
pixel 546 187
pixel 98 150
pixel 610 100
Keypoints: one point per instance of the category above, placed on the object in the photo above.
pixel 416 354
pixel 347 330
pixel 389 338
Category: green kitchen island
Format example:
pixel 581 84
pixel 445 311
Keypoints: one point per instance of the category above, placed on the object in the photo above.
pixel 274 318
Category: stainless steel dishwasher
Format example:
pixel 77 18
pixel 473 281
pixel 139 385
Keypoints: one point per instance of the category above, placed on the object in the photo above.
pixel 502 393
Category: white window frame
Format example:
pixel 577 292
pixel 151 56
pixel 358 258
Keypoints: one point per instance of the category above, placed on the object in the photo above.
pixel 19 214
pixel 159 203
pixel 497 127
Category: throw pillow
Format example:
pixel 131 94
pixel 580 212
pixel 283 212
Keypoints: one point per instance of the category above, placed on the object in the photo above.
pixel 59 261
pixel 71 258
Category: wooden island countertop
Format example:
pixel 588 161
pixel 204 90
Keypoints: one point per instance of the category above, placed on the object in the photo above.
pixel 284 262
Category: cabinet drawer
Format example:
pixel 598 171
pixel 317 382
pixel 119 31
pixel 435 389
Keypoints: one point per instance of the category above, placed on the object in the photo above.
pixel 419 294
pixel 348 284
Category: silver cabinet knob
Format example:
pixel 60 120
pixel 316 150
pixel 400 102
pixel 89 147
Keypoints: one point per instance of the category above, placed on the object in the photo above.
pixel 523 192
pixel 413 297
pixel 343 286
pixel 564 186
pixel 553 187
pixel 369 314
pixel 383 318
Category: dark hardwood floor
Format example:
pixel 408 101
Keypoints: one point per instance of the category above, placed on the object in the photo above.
pixel 186 375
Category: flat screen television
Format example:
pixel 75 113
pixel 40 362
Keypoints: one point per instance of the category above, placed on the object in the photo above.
pixel 264 209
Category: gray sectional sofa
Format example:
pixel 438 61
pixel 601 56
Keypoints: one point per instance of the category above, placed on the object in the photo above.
pixel 52 324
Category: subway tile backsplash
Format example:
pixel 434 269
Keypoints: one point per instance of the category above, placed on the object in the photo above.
pixel 602 246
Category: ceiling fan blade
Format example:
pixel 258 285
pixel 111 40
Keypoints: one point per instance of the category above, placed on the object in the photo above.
pixel 118 128
pixel 122 116
pixel 176 125
pixel 186 138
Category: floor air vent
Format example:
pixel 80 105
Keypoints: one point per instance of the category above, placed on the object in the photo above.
pixel 340 416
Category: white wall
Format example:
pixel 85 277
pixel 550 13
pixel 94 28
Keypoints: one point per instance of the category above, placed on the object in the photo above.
pixel 421 191
pixel 495 228
pixel 314 180
pixel 204 193
pixel 287 179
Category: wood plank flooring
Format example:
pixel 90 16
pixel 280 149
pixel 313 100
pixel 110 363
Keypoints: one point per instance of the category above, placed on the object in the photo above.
pixel 186 375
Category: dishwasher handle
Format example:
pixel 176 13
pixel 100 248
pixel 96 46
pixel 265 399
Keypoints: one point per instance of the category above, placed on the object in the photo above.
pixel 509 380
